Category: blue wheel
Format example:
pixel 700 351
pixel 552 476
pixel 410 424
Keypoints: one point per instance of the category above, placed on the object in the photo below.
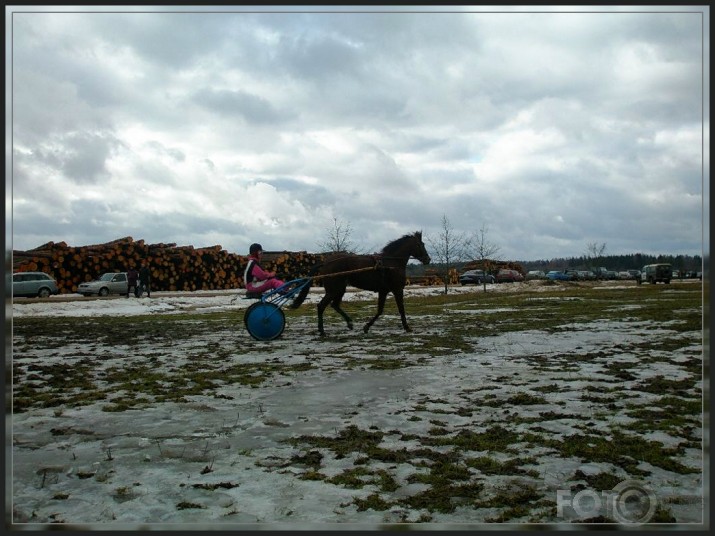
pixel 264 321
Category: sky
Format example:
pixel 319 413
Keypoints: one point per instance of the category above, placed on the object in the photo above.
pixel 551 128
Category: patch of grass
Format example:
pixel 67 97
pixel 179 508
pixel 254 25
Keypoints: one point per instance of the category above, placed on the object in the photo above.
pixel 495 438
pixel 372 502
pixel 352 478
pixel 185 505
pixel 599 481
pixel 444 499
pixel 662 385
pixel 620 449
pixel 351 439
pixel 491 466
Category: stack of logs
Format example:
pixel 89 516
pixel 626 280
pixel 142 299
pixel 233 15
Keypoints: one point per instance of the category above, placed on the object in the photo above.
pixel 174 268
pixel 492 267
pixel 434 277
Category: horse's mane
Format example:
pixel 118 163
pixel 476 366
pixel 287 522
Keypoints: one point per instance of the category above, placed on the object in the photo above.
pixel 398 243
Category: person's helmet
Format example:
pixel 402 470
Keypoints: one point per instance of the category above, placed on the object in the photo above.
pixel 255 248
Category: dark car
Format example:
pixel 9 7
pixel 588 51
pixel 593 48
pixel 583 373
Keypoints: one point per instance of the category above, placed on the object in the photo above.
pixel 573 274
pixel 509 276
pixel 656 273
pixel 33 284
pixel 476 277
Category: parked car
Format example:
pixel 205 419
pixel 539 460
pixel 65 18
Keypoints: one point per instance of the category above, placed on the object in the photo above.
pixel 109 283
pixel 635 274
pixel 587 275
pixel 535 274
pixel 600 272
pixel 509 276
pixel 475 277
pixel 574 274
pixel 656 273
pixel 33 284
pixel 557 275
pixel 623 274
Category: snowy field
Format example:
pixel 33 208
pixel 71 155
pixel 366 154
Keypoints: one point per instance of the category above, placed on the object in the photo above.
pixel 359 431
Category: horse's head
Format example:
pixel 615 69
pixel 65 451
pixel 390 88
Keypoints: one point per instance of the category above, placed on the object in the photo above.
pixel 421 252
pixel 410 245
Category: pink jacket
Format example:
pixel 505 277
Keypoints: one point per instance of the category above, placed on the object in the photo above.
pixel 254 274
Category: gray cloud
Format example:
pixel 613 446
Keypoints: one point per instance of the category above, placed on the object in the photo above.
pixel 555 129
pixel 252 108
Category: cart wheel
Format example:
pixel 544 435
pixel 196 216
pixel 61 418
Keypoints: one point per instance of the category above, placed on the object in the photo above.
pixel 264 321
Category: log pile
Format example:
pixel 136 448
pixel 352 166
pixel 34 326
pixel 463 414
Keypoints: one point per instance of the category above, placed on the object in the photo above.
pixel 492 266
pixel 434 277
pixel 425 280
pixel 173 268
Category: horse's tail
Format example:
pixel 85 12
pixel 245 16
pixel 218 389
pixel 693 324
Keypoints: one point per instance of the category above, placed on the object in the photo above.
pixel 300 298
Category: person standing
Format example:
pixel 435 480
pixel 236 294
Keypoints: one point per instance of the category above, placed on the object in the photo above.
pixel 132 277
pixel 145 280
pixel 256 279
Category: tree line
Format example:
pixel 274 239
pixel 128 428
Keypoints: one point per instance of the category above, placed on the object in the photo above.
pixel 683 263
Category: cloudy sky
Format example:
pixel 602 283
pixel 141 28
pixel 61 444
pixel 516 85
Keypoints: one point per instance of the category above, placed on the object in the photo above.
pixel 553 128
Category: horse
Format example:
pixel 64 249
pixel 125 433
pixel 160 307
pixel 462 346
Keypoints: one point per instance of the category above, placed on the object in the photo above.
pixel 382 272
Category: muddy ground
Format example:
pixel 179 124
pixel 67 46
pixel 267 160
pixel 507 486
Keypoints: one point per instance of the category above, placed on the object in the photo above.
pixel 549 405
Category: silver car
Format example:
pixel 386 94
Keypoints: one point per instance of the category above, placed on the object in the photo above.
pixel 33 284
pixel 109 283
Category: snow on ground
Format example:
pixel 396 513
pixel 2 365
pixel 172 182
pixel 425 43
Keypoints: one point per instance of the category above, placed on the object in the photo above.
pixel 167 302
pixel 222 461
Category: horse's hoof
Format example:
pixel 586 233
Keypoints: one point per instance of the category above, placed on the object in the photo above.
pixel 350 326
pixel 365 329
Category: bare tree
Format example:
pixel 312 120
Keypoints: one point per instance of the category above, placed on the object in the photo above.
pixel 594 251
pixel 482 250
pixel 338 237
pixel 448 248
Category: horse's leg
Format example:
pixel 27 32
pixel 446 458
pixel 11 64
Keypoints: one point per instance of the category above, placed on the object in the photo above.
pixel 380 306
pixel 336 305
pixel 322 304
pixel 399 300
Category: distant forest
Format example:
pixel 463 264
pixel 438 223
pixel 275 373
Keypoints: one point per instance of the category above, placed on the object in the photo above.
pixel 684 263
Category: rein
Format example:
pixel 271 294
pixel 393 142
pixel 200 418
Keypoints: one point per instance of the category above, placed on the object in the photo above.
pixel 345 272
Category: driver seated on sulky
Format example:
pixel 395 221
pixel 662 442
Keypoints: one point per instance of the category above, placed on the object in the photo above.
pixel 256 279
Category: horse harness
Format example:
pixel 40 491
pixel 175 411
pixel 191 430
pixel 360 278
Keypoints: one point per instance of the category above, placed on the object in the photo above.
pixel 377 265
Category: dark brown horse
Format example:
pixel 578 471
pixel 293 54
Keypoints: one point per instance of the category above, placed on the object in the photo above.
pixel 382 272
